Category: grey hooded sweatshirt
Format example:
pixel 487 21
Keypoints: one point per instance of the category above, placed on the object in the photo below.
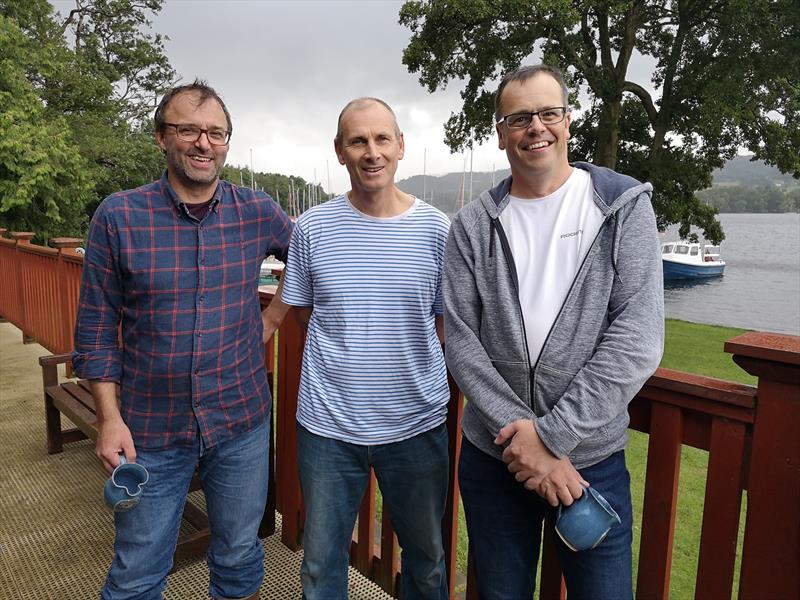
pixel 606 341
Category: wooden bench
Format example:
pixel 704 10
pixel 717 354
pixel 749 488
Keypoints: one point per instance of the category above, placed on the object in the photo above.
pixel 74 400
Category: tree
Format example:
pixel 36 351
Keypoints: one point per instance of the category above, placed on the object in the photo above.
pixel 99 89
pixel 43 183
pixel 724 72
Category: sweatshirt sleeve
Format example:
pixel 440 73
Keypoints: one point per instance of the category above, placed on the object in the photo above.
pixel 489 394
pixel 630 349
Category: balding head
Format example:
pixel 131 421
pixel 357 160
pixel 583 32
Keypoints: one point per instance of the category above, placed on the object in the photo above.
pixel 360 104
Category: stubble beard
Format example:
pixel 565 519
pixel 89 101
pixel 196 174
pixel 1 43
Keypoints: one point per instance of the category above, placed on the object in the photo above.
pixel 178 163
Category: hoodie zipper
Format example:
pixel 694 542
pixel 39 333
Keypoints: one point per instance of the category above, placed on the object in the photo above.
pixel 612 215
pixel 496 225
pixel 512 267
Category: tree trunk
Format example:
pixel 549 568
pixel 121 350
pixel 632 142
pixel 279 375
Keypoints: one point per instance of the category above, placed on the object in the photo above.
pixel 656 146
pixel 605 152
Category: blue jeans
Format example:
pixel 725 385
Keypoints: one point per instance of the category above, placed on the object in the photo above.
pixel 412 476
pixel 234 476
pixel 504 523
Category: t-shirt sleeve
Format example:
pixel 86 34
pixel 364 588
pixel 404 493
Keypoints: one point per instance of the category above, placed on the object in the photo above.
pixel 298 288
pixel 441 240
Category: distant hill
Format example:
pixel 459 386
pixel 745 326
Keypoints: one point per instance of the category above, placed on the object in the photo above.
pixel 443 191
pixel 748 173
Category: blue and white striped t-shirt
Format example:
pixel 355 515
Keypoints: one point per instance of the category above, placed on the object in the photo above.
pixel 373 369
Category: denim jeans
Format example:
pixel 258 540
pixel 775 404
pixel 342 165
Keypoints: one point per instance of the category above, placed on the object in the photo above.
pixel 412 475
pixel 504 523
pixel 234 476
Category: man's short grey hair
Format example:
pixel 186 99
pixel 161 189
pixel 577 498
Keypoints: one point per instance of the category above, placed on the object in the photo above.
pixel 522 74
pixel 204 93
pixel 360 103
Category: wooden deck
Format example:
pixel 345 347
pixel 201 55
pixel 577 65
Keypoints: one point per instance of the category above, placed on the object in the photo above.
pixel 56 534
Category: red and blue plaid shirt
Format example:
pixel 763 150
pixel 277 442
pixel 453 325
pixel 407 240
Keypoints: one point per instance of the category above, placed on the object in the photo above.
pixel 186 295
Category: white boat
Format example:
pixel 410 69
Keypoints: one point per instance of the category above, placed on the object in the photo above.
pixel 690 260
pixel 271 269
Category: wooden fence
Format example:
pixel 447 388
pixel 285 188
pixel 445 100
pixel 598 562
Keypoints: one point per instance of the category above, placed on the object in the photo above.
pixel 751 434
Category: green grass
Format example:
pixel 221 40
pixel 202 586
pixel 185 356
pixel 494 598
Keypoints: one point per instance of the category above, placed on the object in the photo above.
pixel 697 348
pixel 694 348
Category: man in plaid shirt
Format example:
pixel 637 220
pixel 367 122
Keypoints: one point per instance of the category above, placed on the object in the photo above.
pixel 173 268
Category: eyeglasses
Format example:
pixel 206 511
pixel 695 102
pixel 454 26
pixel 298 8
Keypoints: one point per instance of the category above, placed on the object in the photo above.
pixel 192 133
pixel 548 116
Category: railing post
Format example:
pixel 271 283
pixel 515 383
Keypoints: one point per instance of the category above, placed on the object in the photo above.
pixel 455 410
pixel 771 552
pixel 22 238
pixel 65 245
pixel 2 235
pixel 291 340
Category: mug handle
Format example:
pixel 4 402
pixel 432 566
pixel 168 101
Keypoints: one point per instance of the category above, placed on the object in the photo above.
pixel 560 505
pixel 122 459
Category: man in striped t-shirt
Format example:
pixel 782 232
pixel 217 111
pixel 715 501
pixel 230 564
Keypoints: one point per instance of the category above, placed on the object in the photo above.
pixel 366 268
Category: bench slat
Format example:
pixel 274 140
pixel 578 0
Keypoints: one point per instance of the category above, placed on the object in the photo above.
pixel 74 410
pixel 82 393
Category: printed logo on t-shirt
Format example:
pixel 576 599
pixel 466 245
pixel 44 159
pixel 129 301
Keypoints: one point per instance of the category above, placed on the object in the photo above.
pixel 571 234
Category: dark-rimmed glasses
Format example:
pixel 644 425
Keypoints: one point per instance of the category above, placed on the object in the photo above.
pixel 548 116
pixel 192 133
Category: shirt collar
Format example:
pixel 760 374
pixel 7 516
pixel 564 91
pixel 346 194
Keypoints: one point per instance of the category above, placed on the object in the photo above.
pixel 168 191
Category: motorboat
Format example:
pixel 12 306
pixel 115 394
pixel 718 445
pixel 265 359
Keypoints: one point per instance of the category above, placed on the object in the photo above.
pixel 691 260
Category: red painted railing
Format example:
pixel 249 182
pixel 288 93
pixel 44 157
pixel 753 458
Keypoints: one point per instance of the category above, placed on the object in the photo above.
pixel 751 434
pixel 39 288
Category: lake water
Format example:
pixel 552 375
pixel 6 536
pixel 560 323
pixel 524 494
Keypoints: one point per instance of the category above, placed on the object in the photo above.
pixel 761 286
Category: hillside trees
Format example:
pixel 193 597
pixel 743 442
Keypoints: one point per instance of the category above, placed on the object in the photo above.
pixel 723 77
pixel 293 193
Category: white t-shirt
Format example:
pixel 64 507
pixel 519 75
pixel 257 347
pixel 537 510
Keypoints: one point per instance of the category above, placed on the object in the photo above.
pixel 549 238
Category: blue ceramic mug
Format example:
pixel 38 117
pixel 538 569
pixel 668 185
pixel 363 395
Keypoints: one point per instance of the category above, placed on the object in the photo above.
pixel 123 489
pixel 586 522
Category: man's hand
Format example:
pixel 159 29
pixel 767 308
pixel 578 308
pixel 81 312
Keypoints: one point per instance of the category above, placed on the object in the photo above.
pixel 113 437
pixel 563 484
pixel 536 467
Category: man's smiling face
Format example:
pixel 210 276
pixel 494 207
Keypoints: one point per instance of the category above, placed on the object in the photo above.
pixel 537 149
pixel 198 163
pixel 370 147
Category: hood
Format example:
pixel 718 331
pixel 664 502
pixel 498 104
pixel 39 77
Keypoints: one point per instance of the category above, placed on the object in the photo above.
pixel 612 190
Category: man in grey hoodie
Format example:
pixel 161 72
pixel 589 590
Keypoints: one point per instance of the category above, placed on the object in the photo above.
pixel 554 319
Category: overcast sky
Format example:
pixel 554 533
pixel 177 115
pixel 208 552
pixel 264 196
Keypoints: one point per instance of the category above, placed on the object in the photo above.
pixel 286 68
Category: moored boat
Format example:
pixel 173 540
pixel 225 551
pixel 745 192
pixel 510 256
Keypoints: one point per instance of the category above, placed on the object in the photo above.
pixel 690 260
